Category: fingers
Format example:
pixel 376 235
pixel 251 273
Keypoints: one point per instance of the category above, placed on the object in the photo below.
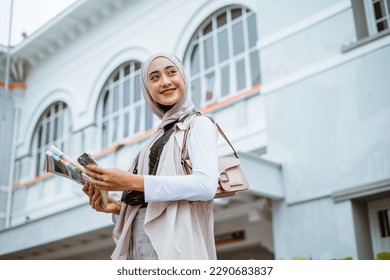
pixel 94 196
pixel 85 188
pixel 95 169
pixel 96 199
pixel 91 193
pixel 99 184
pixel 95 173
pixel 92 174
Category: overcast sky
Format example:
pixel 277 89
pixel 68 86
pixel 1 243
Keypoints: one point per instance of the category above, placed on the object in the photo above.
pixel 28 16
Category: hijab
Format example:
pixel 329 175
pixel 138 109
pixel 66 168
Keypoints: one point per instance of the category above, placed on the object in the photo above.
pixel 183 106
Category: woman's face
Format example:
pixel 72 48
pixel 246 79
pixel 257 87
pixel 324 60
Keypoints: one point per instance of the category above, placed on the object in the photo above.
pixel 165 82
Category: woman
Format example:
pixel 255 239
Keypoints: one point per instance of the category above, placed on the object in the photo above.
pixel 164 213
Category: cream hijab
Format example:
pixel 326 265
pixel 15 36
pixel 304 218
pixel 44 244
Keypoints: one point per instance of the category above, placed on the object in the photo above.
pixel 182 107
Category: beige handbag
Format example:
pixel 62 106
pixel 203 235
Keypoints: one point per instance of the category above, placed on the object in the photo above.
pixel 231 179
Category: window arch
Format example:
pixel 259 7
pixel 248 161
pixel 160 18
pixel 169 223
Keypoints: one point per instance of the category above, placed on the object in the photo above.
pixel 123 110
pixel 53 128
pixel 222 57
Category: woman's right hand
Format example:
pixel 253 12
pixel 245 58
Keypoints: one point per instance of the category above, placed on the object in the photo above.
pixel 113 206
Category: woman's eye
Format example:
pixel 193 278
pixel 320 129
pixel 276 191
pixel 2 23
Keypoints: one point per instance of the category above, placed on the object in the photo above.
pixel 154 78
pixel 172 72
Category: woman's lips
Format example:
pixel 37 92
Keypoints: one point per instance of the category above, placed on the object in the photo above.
pixel 168 91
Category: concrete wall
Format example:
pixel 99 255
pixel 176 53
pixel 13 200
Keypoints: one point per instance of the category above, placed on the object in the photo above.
pixel 328 122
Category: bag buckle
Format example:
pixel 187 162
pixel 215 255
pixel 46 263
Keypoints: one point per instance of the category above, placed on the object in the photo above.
pixel 223 177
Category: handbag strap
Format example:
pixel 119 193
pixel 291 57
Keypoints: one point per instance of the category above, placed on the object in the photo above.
pixel 186 133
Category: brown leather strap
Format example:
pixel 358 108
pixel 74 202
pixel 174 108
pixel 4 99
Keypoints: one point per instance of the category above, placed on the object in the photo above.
pixel 186 133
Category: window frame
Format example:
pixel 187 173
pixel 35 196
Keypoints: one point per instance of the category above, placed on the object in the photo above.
pixel 364 25
pixel 118 111
pixel 229 64
pixel 370 14
pixel 378 241
pixel 58 134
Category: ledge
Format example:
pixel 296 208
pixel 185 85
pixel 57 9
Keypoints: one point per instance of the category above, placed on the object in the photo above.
pixel 265 177
pixel 362 191
pixel 365 41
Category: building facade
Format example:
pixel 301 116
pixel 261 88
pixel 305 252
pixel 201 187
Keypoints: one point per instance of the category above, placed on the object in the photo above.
pixel 302 95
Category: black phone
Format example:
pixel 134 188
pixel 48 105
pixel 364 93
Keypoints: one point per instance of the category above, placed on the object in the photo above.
pixel 85 159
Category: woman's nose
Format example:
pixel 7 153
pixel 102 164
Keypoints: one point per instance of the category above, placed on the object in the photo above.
pixel 165 80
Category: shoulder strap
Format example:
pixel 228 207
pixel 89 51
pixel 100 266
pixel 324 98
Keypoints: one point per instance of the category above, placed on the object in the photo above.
pixel 186 133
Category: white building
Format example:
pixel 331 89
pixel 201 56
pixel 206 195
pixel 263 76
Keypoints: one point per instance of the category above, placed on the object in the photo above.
pixel 300 87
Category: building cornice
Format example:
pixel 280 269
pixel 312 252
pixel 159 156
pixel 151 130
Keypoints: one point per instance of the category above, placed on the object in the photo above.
pixel 68 26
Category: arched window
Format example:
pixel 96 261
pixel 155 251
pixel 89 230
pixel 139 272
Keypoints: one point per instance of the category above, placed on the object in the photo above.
pixel 123 110
pixel 222 57
pixel 53 128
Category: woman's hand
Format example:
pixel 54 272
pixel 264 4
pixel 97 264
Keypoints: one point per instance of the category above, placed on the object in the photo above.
pixel 114 179
pixel 95 200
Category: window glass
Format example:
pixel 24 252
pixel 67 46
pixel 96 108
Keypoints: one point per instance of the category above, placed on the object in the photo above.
pixel 236 13
pixel 115 129
pixel 105 104
pixel 38 152
pixel 48 130
pixel 137 88
pixel 221 20
pixel 225 77
pixel 126 93
pixel 255 68
pixel 382 25
pixel 195 61
pixel 384 222
pixel 196 92
pixel 126 127
pixel 240 74
pixel 378 9
pixel 379 14
pixel 388 7
pixel 208 53
pixel 116 76
pixel 115 99
pixel 210 81
pixel 148 119
pixel 137 119
pixel 208 28
pixel 223 45
pixel 238 35
pixel 126 70
pixel 252 31
pixel 105 134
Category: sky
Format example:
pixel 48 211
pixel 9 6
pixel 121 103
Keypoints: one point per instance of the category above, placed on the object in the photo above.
pixel 28 16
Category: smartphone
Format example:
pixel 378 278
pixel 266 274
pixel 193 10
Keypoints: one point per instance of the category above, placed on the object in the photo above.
pixel 85 159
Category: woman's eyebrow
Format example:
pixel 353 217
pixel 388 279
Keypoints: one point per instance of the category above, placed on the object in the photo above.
pixel 156 71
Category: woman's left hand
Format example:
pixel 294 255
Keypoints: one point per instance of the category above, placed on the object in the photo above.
pixel 113 179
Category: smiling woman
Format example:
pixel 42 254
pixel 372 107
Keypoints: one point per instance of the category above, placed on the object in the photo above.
pixel 159 201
